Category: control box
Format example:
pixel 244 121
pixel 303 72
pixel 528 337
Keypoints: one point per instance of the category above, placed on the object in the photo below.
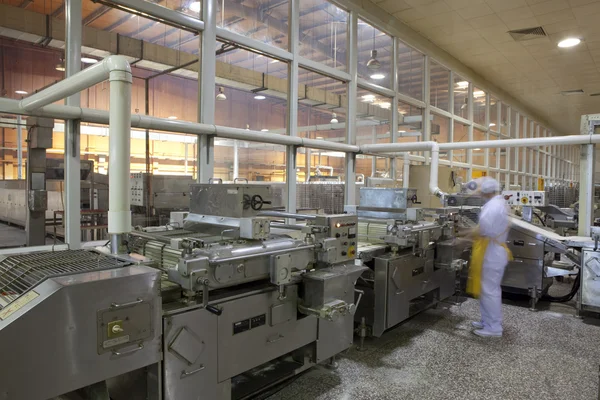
pixel 343 234
pixel 521 198
pixel 137 189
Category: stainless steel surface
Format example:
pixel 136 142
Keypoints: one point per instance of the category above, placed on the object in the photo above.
pixel 590 279
pixel 21 273
pixel 230 200
pixel 190 355
pixel 386 198
pixel 60 327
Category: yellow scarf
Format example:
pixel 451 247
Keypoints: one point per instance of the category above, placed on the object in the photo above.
pixel 480 245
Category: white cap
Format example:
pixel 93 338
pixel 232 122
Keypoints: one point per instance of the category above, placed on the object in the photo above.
pixel 489 185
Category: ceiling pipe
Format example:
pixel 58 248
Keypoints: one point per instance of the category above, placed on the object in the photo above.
pixel 117 70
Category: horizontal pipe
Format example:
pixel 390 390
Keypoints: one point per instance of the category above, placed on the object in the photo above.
pixel 89 77
pixel 281 214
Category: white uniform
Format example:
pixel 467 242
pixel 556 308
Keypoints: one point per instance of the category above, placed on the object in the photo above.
pixel 493 223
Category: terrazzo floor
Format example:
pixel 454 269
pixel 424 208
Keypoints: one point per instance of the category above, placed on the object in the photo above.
pixel 548 354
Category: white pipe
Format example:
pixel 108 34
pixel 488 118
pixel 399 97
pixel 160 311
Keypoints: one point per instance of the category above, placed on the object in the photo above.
pixel 91 76
pixel 119 209
pixel 406 173
pixel 236 160
pixel 330 169
pixel 19 147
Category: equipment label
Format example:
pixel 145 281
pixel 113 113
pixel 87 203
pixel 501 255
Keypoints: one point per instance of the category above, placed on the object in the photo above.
pixel 18 304
pixel 250 323
pixel 116 341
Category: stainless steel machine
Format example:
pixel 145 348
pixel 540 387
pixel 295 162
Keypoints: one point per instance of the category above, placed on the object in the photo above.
pixel 412 257
pixel 234 302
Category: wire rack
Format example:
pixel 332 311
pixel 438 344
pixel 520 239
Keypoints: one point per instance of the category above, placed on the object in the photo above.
pixel 20 273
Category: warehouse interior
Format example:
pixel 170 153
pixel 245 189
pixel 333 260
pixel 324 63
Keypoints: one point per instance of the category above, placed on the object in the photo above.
pixel 275 199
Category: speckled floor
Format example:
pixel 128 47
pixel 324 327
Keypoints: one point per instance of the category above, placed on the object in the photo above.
pixel 548 354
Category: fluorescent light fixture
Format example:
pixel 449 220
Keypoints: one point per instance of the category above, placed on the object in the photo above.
pixel 477 149
pixel 492 124
pixel 259 97
pixel 385 105
pixel 88 60
pixel 20 92
pixel 195 6
pixel 478 93
pixel 377 77
pixel 334 119
pixel 401 131
pixel 368 97
pixel 264 130
pixel 319 137
pixel 462 84
pixel 172 117
pixel 569 42
pixel 274 62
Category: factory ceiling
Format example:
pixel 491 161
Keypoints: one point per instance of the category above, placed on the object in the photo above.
pixel 535 71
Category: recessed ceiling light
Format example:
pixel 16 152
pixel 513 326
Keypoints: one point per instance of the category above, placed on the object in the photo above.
pixel 377 76
pixel 172 117
pixel 20 92
pixel 87 60
pixel 195 6
pixel 569 42
pixel 259 97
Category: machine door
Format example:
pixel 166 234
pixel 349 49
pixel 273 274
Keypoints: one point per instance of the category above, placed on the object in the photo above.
pixel 190 356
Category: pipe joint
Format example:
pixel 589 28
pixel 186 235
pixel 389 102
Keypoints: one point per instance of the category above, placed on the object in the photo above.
pixel 116 63
pixel 121 76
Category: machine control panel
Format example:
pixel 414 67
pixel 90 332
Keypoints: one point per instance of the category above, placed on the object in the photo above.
pixel 137 189
pixel 344 228
pixel 525 198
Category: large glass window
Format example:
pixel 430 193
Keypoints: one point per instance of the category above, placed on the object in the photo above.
pixel 440 131
pixel 410 66
pixel 439 78
pixel 373 118
pixel 494 107
pixel 374 55
pixel 504 122
pixel 479 103
pixel 461 134
pixel 461 97
pixel 323 32
pixel 254 89
pixel 410 123
pixel 479 154
pixel 262 20
pixel 322 106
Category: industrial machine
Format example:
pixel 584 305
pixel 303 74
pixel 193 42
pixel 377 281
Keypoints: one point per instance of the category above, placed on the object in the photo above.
pixel 412 257
pixel 231 303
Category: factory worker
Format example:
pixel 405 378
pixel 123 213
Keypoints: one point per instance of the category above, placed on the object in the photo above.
pixel 490 251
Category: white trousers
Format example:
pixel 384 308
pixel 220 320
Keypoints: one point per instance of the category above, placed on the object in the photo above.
pixel 490 300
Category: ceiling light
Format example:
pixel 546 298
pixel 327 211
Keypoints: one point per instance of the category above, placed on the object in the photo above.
pixel 259 97
pixel 492 124
pixel 401 131
pixel 334 119
pixel 385 105
pixel 221 96
pixel 462 84
pixel 569 42
pixel 247 127
pixel 319 137
pixel 478 93
pixel 195 6
pixel 377 76
pixel 373 63
pixel 88 60
pixel 274 62
pixel 20 92
pixel 368 97
pixel 264 130
pixel 60 66
pixel 477 149
pixel 172 117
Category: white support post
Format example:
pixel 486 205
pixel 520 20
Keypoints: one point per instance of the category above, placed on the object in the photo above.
pixel 508 163
pixel 470 130
pixel 206 89
pixel 426 125
pixel 72 178
pixel 19 147
pixel 350 159
pixel 291 175
pixel 395 117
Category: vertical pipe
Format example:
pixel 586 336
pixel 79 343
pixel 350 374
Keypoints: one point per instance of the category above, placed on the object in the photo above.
pixel 148 177
pixel 206 89
pixel 395 116
pixel 185 166
pixel 236 160
pixel 307 163
pixel 73 26
pixel 470 130
pixel 350 159
pixel 426 125
pixel 450 153
pixel 373 158
pixel 406 172
pixel 119 213
pixel 291 176
pixel 19 147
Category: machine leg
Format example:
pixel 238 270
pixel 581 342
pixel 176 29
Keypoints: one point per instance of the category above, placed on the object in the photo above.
pixel 533 294
pixel 332 364
pixel 362 333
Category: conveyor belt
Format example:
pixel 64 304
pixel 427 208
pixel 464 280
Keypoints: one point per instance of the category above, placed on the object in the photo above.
pixel 20 273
